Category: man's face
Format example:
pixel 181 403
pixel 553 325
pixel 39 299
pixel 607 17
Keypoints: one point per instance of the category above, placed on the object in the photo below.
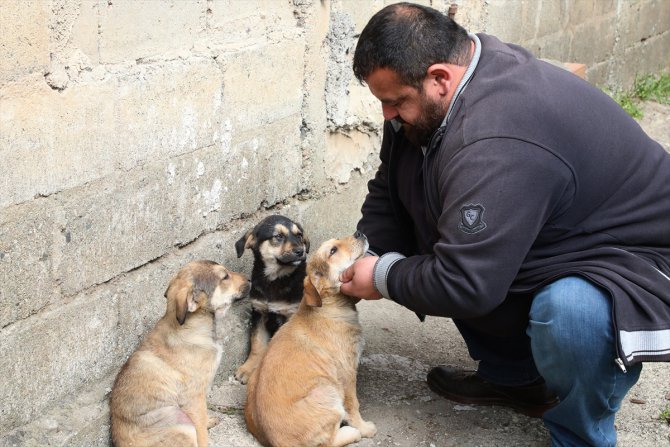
pixel 419 112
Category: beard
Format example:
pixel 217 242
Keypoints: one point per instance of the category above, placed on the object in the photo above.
pixel 427 122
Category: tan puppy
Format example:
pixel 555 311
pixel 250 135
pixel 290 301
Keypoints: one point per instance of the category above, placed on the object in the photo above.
pixel 304 388
pixel 158 398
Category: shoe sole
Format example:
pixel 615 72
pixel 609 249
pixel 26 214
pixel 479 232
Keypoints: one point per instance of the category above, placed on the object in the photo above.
pixel 530 411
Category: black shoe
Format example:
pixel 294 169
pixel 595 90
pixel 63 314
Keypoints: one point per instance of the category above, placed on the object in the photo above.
pixel 467 387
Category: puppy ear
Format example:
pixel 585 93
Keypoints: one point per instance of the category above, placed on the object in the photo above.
pixel 305 239
pixel 310 294
pixel 244 242
pixel 184 303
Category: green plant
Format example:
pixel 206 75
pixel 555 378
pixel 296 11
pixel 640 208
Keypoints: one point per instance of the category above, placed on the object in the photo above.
pixel 629 103
pixel 645 88
pixel 665 415
pixel 653 88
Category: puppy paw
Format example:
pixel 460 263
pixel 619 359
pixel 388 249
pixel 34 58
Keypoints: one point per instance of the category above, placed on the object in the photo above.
pixel 243 373
pixel 212 421
pixel 346 435
pixel 368 429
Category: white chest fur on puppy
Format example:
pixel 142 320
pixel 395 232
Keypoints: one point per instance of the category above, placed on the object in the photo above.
pixel 303 393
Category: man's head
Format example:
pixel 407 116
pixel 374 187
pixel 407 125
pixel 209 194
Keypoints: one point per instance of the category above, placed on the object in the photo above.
pixel 412 58
pixel 407 39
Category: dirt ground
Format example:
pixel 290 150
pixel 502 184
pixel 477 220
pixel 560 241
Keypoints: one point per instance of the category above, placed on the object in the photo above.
pixel 393 394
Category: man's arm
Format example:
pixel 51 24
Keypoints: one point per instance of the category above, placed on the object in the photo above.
pixel 480 250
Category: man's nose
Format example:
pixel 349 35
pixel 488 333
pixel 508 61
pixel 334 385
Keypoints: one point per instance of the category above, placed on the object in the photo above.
pixel 389 112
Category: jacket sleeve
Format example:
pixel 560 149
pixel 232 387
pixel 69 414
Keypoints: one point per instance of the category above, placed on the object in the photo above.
pixel 386 224
pixel 495 196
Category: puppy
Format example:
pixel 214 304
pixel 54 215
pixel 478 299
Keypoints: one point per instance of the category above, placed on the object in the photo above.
pixel 280 249
pixel 303 393
pixel 158 397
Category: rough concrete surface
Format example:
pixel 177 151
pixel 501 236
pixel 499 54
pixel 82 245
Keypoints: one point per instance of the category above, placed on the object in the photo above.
pixel 393 394
pixel 139 134
pixel 399 352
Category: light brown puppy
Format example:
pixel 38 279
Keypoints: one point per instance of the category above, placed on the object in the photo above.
pixel 304 389
pixel 158 398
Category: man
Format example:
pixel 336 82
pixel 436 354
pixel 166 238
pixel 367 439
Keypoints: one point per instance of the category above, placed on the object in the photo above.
pixel 526 205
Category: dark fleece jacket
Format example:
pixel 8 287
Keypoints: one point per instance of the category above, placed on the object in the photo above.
pixel 537 175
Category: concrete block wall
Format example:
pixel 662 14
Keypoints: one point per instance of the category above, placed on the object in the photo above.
pixel 616 39
pixel 136 135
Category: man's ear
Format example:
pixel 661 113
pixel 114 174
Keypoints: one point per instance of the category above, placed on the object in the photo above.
pixel 441 78
pixel 310 294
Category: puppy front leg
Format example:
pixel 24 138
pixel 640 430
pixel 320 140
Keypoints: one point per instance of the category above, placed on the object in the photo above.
pixel 351 406
pixel 259 342
pixel 197 410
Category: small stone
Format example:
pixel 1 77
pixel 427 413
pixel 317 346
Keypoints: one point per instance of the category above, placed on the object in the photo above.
pixel 637 401
pixel 464 408
pixel 50 424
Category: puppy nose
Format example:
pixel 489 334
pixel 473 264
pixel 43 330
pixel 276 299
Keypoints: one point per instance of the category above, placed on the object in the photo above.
pixel 298 252
pixel 359 235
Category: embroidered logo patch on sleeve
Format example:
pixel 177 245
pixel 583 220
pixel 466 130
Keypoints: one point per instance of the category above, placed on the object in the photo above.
pixel 472 219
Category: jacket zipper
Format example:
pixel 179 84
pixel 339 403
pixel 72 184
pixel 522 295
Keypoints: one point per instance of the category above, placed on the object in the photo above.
pixel 620 364
pixel 435 139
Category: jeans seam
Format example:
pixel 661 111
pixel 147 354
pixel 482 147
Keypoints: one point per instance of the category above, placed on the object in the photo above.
pixel 609 409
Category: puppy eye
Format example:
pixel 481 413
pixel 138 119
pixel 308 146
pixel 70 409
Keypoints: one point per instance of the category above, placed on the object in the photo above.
pixel 278 237
pixel 299 236
pixel 225 277
pixel 333 251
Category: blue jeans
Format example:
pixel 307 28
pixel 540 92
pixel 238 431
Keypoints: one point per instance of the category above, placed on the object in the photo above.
pixel 571 337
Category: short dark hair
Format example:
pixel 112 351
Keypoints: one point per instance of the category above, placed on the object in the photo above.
pixel 407 39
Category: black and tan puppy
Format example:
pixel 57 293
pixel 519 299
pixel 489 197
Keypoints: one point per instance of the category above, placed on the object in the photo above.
pixel 158 398
pixel 280 249
pixel 303 393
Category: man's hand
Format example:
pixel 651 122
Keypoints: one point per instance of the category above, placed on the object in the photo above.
pixel 357 279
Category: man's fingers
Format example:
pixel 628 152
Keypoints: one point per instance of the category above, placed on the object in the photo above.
pixel 346 287
pixel 347 275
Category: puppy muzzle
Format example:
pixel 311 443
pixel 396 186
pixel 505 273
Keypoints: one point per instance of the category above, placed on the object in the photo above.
pixel 291 259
